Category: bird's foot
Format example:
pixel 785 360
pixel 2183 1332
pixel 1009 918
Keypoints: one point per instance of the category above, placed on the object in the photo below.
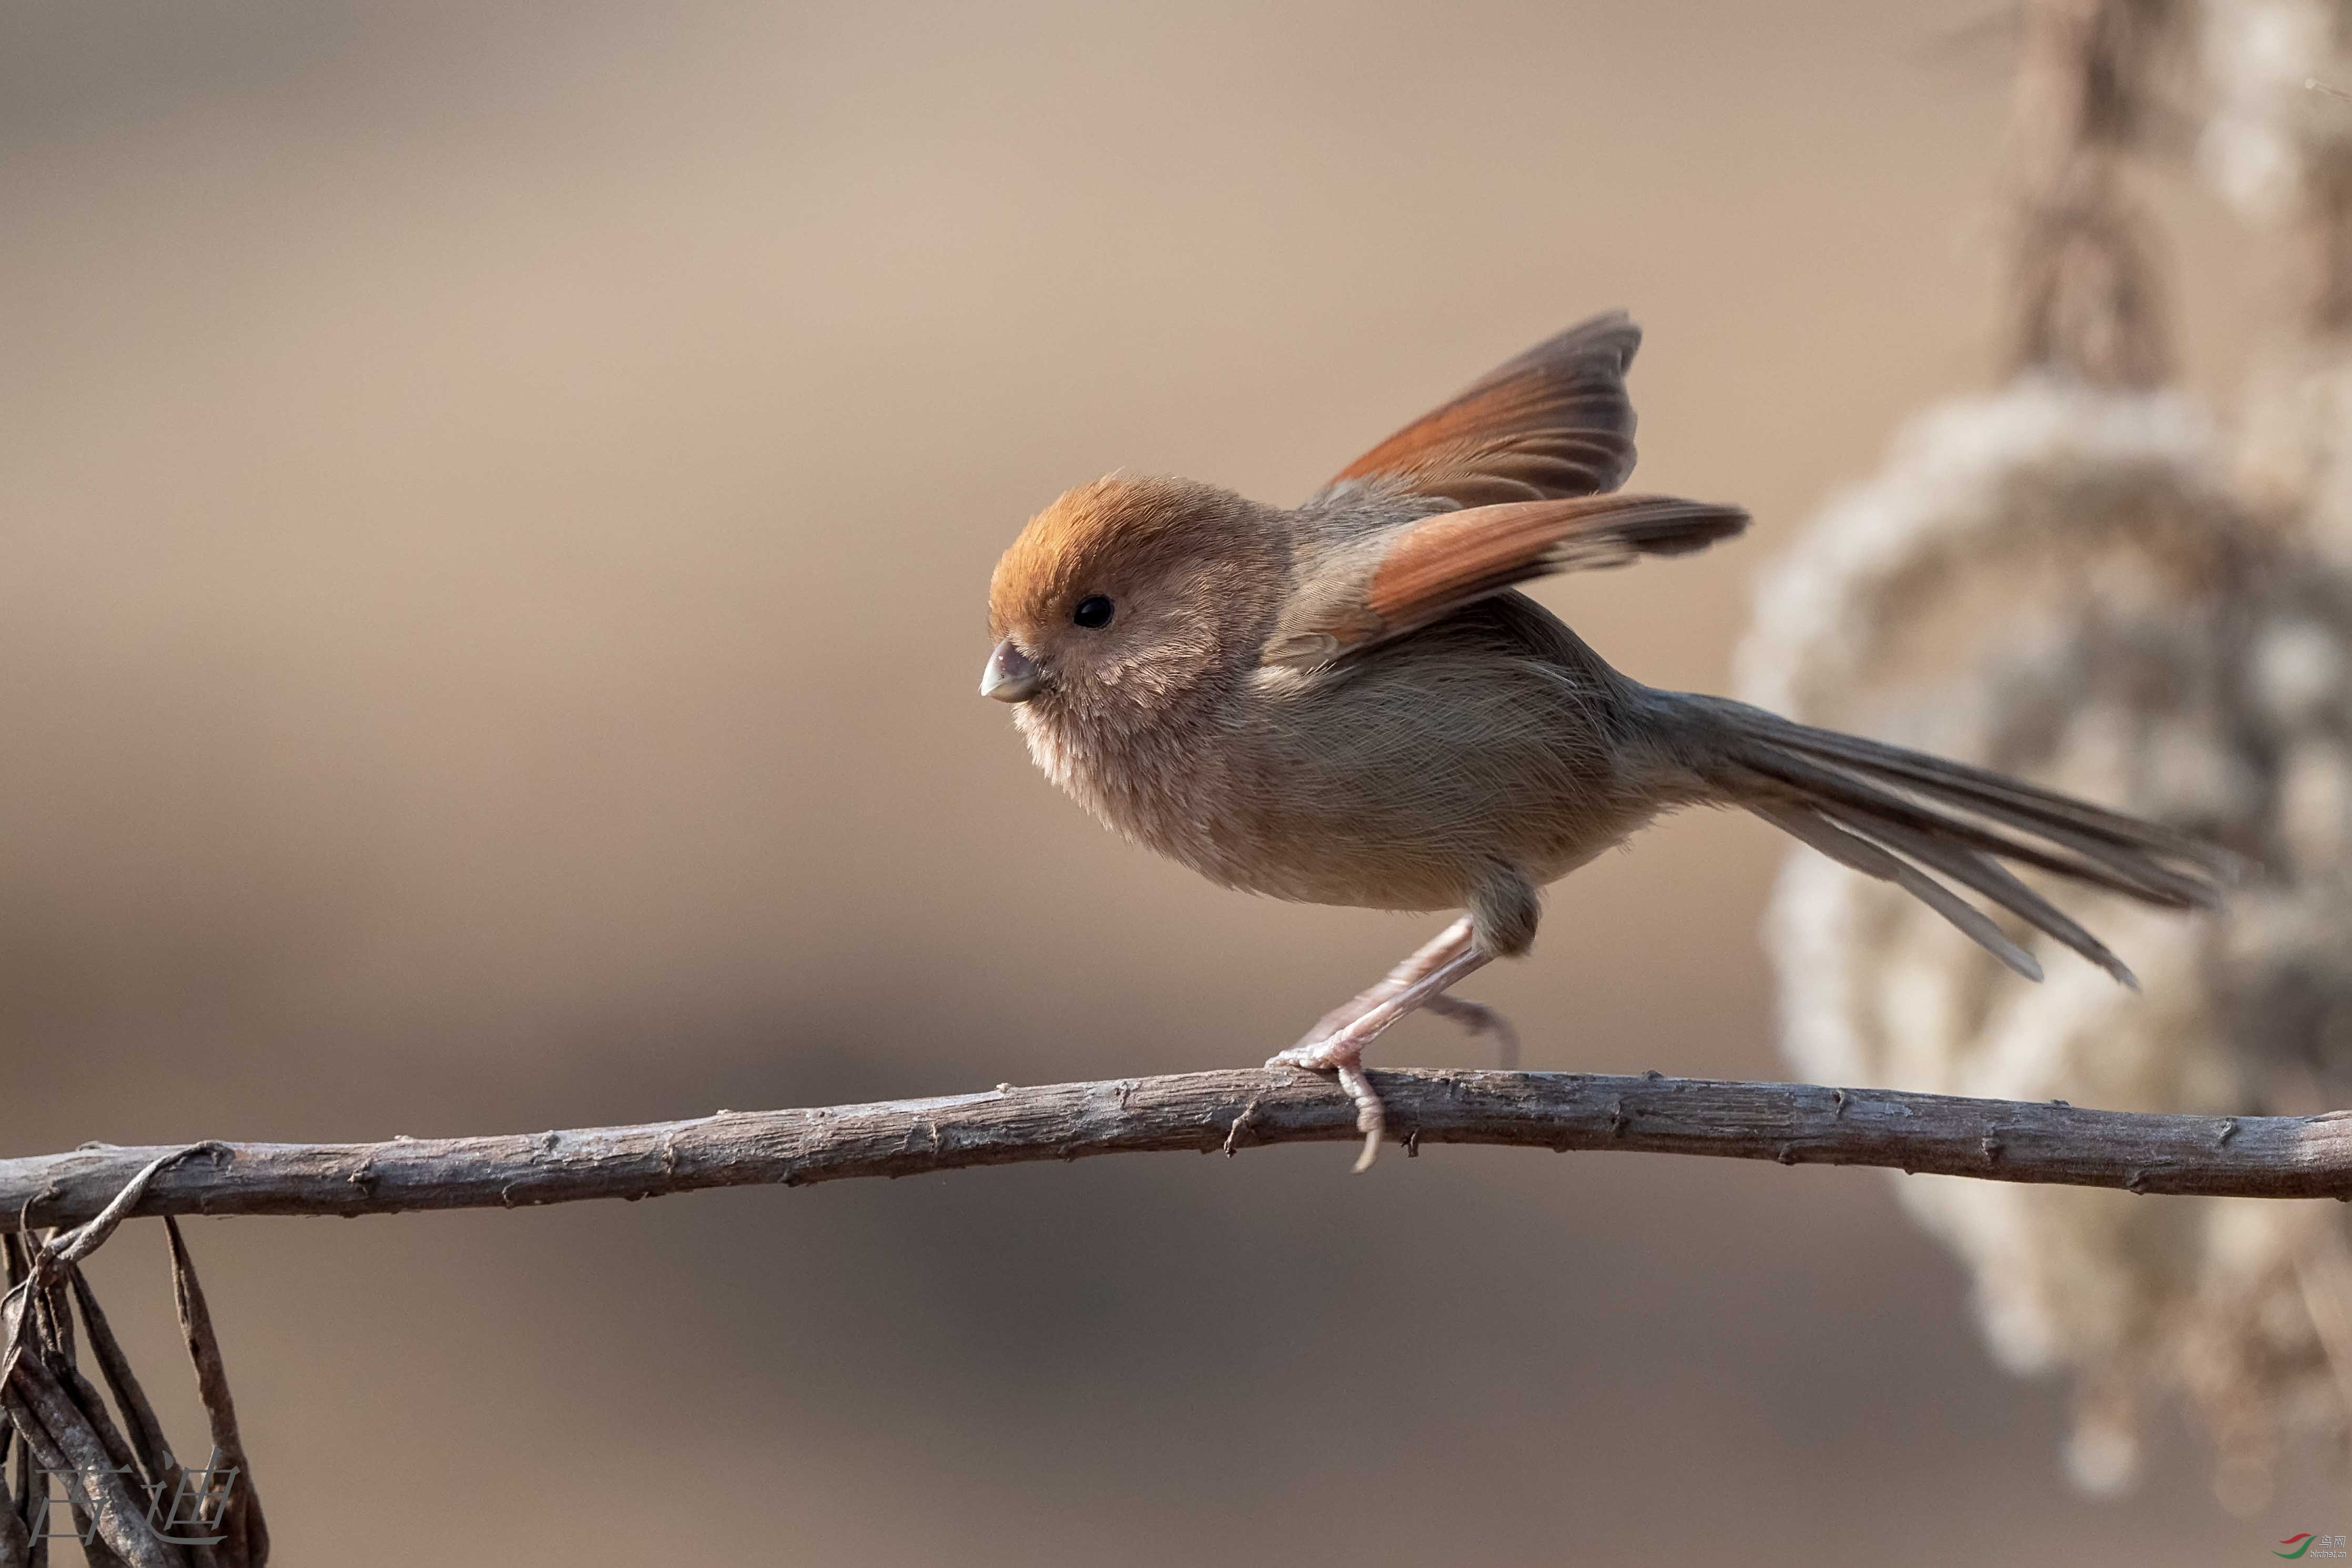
pixel 1337 1044
pixel 1343 1054
pixel 1480 1018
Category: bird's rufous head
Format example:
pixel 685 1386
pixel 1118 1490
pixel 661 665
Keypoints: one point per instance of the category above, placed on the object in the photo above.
pixel 1124 591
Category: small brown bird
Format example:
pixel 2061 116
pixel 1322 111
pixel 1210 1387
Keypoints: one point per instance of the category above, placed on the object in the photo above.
pixel 1349 702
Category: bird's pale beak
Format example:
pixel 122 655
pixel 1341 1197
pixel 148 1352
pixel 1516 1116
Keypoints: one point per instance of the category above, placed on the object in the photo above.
pixel 1012 675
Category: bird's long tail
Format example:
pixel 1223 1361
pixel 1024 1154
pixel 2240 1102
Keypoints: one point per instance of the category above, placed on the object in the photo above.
pixel 1900 815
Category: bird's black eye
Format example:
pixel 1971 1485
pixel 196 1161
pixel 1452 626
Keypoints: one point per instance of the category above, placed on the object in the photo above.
pixel 1094 612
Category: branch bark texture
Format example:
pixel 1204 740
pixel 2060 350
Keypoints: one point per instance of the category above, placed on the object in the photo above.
pixel 1794 1124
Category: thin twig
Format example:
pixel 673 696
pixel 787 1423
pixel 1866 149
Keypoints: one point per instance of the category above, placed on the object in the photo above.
pixel 2000 1140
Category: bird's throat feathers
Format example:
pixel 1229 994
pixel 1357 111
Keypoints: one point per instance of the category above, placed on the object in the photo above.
pixel 1149 775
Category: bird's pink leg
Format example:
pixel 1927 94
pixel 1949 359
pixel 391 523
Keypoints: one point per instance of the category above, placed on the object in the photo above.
pixel 1337 1044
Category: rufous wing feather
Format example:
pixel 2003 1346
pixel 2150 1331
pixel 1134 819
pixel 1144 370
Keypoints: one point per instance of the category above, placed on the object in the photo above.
pixel 1555 422
pixel 1407 575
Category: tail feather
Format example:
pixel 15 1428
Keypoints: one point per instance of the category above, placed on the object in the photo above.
pixel 1992 791
pixel 1993 880
pixel 2119 869
pixel 1888 814
pixel 1871 859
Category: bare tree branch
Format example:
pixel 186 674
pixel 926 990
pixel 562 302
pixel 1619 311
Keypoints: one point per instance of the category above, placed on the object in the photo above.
pixel 1999 1140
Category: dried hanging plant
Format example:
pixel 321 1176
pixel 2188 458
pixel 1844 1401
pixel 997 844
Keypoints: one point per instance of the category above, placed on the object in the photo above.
pixel 129 1500
pixel 2072 580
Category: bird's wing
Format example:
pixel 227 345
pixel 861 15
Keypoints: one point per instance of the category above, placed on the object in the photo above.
pixel 1553 423
pixel 1367 590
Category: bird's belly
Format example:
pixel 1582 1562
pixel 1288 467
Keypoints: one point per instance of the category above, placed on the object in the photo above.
pixel 1396 825
pixel 1354 863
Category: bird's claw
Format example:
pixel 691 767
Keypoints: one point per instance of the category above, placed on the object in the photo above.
pixel 1343 1056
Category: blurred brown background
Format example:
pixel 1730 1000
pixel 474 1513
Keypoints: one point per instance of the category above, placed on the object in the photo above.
pixel 498 500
